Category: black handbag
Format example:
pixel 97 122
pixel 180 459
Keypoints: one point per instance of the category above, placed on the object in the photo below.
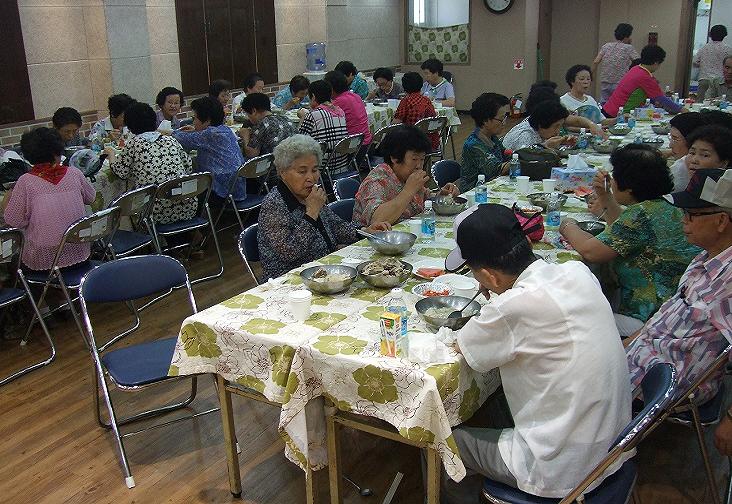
pixel 537 161
pixel 10 172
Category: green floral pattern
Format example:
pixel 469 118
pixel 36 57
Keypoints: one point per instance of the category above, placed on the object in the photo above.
pixel 323 320
pixel 450 44
pixel 447 377
pixel 470 402
pixel 263 326
pixel 375 384
pixel 251 382
pixel 336 344
pixel 199 340
pixel 243 302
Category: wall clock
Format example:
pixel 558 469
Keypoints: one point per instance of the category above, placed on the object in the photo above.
pixel 498 6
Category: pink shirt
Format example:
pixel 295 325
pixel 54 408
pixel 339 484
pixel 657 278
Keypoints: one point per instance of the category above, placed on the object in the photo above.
pixel 357 121
pixel 637 77
pixel 44 211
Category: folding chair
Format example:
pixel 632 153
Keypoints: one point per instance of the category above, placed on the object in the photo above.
pixel 345 188
pixel 181 188
pixel 98 226
pixel 434 126
pixel 343 208
pixel 249 248
pixel 445 171
pixel 137 204
pixel 686 411
pixel 257 168
pixel 658 387
pixel 11 250
pixel 348 147
pixel 140 365
pixel 378 137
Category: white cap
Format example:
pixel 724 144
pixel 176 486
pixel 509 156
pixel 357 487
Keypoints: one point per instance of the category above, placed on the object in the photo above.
pixel 719 192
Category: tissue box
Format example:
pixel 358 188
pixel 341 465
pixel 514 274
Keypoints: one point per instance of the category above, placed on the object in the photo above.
pixel 569 179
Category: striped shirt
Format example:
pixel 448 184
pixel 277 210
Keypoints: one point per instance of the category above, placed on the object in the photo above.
pixel 327 124
pixel 692 328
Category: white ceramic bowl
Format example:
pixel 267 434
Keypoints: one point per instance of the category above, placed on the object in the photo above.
pixel 419 289
pixel 462 285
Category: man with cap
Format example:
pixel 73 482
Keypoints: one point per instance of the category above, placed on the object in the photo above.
pixel 692 327
pixel 551 333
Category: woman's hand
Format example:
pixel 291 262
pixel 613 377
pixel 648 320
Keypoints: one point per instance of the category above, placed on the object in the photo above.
pixel 314 202
pixel 595 206
pixel 244 134
pixel 187 127
pixel 115 134
pixel 554 142
pixel 597 130
pixel 450 188
pixel 416 181
pixel 302 113
pixel 111 154
pixel 601 185
pixel 379 226
pixel 566 222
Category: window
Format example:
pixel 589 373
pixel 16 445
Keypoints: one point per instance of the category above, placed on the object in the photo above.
pixel 438 13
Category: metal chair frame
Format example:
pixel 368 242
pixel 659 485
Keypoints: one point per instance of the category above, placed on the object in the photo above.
pixel 434 125
pixel 254 228
pixel 253 169
pixel 435 167
pixel 101 375
pixel 98 226
pixel 687 401
pixel 338 192
pixel 137 202
pixel 186 187
pixel 378 137
pixel 347 146
pixel 651 419
pixel 12 254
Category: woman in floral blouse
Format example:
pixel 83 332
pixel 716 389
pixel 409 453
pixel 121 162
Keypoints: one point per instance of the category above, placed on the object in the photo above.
pixel 295 224
pixel 152 158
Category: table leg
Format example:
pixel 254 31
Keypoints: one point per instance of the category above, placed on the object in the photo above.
pixel 433 476
pixel 334 460
pixel 311 484
pixel 227 419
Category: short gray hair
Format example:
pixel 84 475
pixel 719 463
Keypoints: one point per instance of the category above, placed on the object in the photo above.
pixel 294 147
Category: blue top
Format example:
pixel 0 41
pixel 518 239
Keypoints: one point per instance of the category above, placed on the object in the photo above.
pixel 441 91
pixel 359 86
pixel 284 95
pixel 218 153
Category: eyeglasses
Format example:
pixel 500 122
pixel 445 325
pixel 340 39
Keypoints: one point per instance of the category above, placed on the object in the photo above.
pixel 502 121
pixel 690 215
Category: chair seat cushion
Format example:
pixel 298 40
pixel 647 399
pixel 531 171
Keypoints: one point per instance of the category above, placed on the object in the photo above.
pixel 9 295
pixel 140 364
pixel 184 225
pixel 72 275
pixel 252 200
pixel 127 241
pixel 709 412
pixel 613 489
pixel 342 175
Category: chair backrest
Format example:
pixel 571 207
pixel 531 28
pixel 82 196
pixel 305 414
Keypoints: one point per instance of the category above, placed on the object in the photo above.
pixel 91 228
pixel 138 202
pixel 378 137
pixel 448 76
pixel 345 188
pixel 343 208
pixel 249 248
pixel 349 145
pixel 431 125
pixel 185 187
pixel 11 249
pixel 255 168
pixel 718 363
pixel 446 170
pixel 659 386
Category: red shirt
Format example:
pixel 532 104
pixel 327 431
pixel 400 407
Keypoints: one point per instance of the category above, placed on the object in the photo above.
pixel 356 119
pixel 414 107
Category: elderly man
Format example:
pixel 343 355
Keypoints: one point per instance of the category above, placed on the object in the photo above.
pixel 717 88
pixel 695 324
pixel 550 332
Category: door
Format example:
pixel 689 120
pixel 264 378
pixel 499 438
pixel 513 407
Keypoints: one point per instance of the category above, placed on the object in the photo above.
pixel 191 22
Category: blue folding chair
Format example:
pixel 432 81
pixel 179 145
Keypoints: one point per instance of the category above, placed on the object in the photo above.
pixel 434 126
pixel 445 171
pixel 142 365
pixel 249 248
pixel 136 204
pixel 257 168
pixel 347 147
pixel 343 208
pixel 345 188
pixel 374 154
pixel 658 385
pixel 11 250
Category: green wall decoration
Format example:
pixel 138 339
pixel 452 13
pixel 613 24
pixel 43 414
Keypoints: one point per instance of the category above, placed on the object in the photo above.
pixel 451 44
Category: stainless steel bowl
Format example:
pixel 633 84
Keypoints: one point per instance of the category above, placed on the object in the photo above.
pixel 619 129
pixel 661 129
pixel 653 141
pixel 605 146
pixel 398 242
pixel 592 227
pixel 542 199
pixel 454 302
pixel 321 287
pixel 442 209
pixel 385 281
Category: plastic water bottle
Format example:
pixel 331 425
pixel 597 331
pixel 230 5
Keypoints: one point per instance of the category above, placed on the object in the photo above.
pixel 514 170
pixel 582 140
pixel 621 116
pixel 428 221
pixel 398 305
pixel 631 119
pixel 723 104
pixel 553 216
pixel 481 191
pixel 648 103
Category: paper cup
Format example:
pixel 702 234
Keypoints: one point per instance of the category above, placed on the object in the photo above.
pixel 415 227
pixel 393 103
pixel 300 301
pixel 550 185
pixel 523 184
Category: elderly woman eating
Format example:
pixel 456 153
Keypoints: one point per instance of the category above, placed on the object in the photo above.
pixel 541 127
pixel 170 100
pixel 395 189
pixel 295 224
pixel 112 126
pixel 643 238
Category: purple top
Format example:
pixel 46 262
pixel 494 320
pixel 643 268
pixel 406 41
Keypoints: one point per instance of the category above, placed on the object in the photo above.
pixel 44 212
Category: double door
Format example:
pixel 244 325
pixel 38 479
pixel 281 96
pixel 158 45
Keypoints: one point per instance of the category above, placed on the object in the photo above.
pixel 225 39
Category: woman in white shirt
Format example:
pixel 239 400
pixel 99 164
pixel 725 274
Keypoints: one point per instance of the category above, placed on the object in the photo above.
pixel 682 125
pixel 577 101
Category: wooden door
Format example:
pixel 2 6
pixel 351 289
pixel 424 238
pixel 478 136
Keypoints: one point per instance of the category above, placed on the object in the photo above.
pixel 544 42
pixel 266 40
pixel 218 40
pixel 16 104
pixel 243 40
pixel 191 22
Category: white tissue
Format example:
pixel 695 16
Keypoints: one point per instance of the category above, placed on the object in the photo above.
pixel 576 162
pixel 424 348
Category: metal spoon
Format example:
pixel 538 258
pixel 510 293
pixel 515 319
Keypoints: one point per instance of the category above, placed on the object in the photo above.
pixel 373 237
pixel 363 492
pixel 458 313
